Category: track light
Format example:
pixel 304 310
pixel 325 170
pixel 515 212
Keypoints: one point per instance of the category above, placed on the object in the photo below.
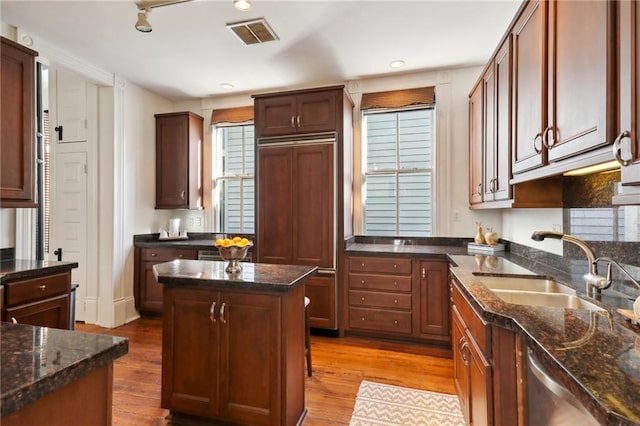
pixel 242 4
pixel 143 25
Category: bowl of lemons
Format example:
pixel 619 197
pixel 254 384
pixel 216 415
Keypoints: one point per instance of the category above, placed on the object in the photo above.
pixel 233 250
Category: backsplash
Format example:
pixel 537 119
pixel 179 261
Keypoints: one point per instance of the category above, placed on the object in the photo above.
pixel 612 231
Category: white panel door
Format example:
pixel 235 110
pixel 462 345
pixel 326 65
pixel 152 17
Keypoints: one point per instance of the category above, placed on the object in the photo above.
pixel 72 108
pixel 69 219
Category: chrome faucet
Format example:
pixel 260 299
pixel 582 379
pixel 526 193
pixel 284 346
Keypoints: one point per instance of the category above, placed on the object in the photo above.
pixel 619 266
pixel 594 282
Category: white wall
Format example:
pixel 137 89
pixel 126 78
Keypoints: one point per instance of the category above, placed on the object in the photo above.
pixel 519 224
pixel 7 228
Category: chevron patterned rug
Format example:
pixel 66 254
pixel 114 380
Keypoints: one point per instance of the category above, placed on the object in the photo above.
pixel 379 404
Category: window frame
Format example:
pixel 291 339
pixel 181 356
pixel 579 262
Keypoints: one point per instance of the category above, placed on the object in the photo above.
pixel 217 177
pixel 397 172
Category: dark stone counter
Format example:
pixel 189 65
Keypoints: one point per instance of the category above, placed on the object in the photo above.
pixel 40 360
pixel 404 250
pixel 597 359
pixel 20 269
pixel 196 241
pixel 254 276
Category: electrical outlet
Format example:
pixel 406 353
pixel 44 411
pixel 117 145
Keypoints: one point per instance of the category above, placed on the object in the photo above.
pixel 557 227
pixel 198 221
pixel 456 216
pixel 190 222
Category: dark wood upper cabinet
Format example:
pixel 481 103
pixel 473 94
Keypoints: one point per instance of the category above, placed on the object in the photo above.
pixel 627 141
pixel 296 113
pixel 178 160
pixel 476 143
pixel 529 87
pixel 17 125
pixel 581 81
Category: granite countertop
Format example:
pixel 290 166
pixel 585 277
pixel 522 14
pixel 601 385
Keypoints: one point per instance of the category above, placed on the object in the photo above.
pixel 18 269
pixel 195 241
pixel 597 356
pixel 405 249
pixel 254 276
pixel 39 360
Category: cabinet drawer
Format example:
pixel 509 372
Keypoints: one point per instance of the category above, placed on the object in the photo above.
pixel 380 282
pixel 384 265
pixel 166 254
pixel 380 320
pixel 477 328
pixel 376 299
pixel 37 288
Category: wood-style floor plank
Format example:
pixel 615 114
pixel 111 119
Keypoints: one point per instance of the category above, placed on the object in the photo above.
pixel 339 365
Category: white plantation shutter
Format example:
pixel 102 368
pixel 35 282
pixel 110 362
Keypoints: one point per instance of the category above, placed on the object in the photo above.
pixel 398 172
pixel 235 179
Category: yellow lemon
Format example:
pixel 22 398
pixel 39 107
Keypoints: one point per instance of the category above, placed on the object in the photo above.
pixel 245 241
pixel 219 242
pixel 236 239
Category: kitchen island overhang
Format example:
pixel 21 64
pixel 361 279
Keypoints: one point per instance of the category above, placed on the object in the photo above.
pixel 233 344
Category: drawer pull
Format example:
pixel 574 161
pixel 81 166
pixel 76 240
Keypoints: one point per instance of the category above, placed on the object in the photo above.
pixel 362 264
pixel 180 256
pixel 395 322
pixel 395 301
pixel 362 298
pixel 395 266
pixel 42 287
pixel 154 254
pixel 362 318
pixel 362 282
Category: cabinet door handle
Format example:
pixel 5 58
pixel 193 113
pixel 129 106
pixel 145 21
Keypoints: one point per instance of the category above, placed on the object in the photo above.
pixel 182 194
pixel 479 189
pixel 154 254
pixel 464 352
pixel 42 287
pixel 298 120
pixel 293 121
pixel 212 312
pixel 424 273
pixel 617 148
pixel 362 282
pixel 548 143
pixel 535 146
pixel 14 320
pixel 222 309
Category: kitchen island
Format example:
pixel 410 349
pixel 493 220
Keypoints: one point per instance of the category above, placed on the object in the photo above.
pixel 233 344
pixel 56 377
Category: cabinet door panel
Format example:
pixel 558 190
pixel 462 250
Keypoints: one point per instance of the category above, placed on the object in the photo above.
pixel 501 187
pixel 529 86
pixel 171 155
pixel 17 130
pixel 578 77
pixel 434 299
pixel 150 290
pixel 316 112
pixel 321 290
pixel 52 312
pixel 190 352
pixel 489 134
pixel 480 395
pixel 249 326
pixel 275 116
pixel 476 141
pixel 275 203
pixel 313 205
pixel 460 362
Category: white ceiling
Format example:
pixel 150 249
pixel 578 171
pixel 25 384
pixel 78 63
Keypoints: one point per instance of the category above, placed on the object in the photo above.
pixel 190 52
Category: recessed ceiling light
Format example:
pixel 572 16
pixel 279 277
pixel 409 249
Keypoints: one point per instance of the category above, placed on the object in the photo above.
pixel 227 86
pixel 397 64
pixel 242 4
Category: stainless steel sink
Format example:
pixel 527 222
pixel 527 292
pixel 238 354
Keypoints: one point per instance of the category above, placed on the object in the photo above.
pixel 554 300
pixel 537 284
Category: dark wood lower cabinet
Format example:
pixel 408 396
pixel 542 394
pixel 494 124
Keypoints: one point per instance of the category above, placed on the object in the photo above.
pixel 40 300
pixel 321 290
pixel 398 297
pixel 233 356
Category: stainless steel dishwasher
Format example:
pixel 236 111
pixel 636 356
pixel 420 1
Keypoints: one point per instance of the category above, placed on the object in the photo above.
pixel 549 402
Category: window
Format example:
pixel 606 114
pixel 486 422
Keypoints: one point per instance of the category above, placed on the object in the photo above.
pixel 234 188
pixel 398 172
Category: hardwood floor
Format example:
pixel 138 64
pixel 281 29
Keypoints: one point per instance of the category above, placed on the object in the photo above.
pixel 339 365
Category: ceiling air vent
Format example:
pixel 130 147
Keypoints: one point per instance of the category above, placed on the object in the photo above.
pixel 253 32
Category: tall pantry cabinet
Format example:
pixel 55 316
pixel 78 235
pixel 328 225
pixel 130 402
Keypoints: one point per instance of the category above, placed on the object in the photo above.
pixel 303 156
